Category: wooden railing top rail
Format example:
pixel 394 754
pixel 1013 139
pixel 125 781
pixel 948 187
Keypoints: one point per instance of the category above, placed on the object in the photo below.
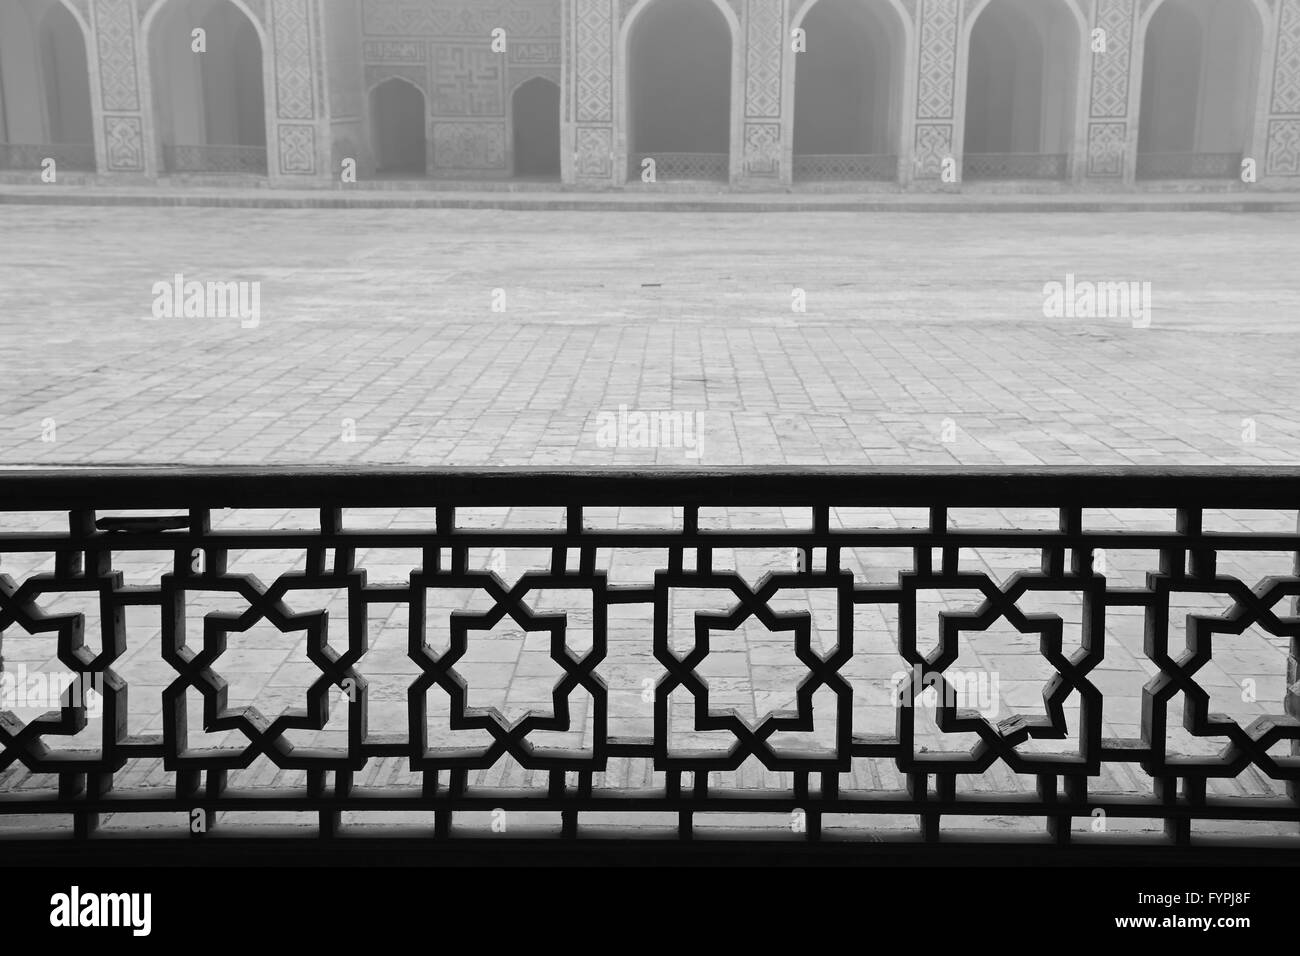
pixel 353 486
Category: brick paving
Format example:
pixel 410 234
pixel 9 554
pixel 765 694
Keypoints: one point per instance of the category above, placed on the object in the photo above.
pixel 378 342
pixel 923 342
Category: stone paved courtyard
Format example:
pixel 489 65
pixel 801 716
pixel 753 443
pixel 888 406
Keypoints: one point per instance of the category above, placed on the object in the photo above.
pixel 377 339
pixel 924 341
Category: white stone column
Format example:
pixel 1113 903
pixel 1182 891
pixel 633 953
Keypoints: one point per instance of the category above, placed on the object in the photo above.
pixel 766 126
pixel 1278 135
pixel 588 144
pixel 119 91
pixel 1113 79
pixel 298 141
pixel 936 105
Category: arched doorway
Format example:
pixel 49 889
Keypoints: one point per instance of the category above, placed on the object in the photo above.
pixel 535 129
pixel 210 106
pixel 45 109
pixel 397 110
pixel 679 91
pixel 848 92
pixel 1200 66
pixel 1021 85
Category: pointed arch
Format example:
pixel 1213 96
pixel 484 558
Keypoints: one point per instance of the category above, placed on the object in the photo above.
pixel 706 163
pixel 399 135
pixel 848 117
pixel 146 24
pixel 46 88
pixel 209 115
pixel 1200 68
pixel 535 128
pixel 1022 89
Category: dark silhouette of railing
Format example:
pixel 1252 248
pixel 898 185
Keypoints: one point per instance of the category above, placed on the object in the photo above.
pixel 215 159
pixel 78 157
pixel 182 503
pixel 845 167
pixel 670 166
pixel 1188 165
pixel 1014 165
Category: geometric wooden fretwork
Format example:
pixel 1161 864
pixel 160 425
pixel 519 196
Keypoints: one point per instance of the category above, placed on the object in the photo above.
pixel 1110 70
pixel 937 76
pixel 294 79
pixel 850 611
pixel 594 46
pixel 763 59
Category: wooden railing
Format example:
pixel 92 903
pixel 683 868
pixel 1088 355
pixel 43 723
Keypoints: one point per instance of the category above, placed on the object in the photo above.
pixel 176 515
